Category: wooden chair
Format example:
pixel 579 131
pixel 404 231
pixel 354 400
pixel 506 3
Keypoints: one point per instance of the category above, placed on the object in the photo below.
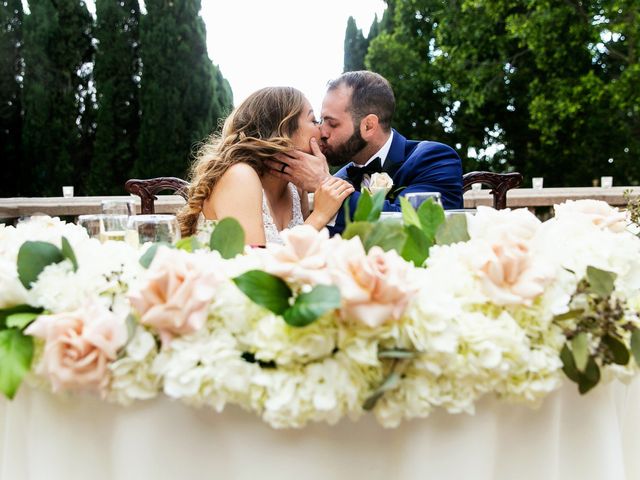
pixel 148 188
pixel 500 184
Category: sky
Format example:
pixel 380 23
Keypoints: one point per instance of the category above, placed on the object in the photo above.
pixel 258 43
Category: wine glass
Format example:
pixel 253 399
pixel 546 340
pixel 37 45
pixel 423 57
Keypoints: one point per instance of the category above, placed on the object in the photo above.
pixel 92 224
pixel 113 227
pixel 152 228
pixel 119 206
pixel 418 198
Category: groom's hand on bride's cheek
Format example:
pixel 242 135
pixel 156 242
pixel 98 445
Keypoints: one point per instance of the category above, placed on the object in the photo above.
pixel 304 170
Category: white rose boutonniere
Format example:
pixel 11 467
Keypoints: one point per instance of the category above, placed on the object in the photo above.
pixel 380 182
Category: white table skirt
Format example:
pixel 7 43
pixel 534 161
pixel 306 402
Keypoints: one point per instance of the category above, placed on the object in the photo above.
pixel 43 437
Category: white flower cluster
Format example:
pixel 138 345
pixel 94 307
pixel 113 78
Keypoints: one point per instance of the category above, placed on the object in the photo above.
pixel 478 320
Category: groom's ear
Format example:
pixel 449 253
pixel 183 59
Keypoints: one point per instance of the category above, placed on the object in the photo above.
pixel 369 126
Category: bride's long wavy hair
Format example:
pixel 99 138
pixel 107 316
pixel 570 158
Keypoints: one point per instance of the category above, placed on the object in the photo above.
pixel 256 130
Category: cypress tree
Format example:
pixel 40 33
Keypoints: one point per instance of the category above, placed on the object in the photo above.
pixel 179 99
pixel 10 103
pixel 355 47
pixel 57 55
pixel 117 74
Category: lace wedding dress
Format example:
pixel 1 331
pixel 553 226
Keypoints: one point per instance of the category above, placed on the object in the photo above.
pixel 271 233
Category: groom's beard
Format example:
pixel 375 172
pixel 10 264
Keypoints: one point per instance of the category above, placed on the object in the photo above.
pixel 344 153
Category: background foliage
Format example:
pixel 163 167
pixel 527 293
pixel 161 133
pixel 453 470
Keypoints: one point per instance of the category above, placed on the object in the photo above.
pixel 93 101
pixel 545 88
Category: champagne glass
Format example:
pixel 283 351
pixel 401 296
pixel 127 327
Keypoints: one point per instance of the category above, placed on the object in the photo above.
pixel 418 198
pixel 113 227
pixel 92 224
pixel 152 228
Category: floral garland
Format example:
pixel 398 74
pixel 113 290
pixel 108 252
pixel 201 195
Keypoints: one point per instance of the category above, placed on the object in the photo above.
pixel 504 313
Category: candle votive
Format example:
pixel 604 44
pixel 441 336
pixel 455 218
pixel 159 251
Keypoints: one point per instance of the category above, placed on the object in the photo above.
pixel 606 182
pixel 476 186
pixel 537 183
pixel 67 191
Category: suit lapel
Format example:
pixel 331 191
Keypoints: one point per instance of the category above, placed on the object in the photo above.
pixel 395 157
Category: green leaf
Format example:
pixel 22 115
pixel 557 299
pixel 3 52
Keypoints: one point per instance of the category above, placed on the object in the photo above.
pixel 568 315
pixel 67 252
pixel 398 353
pixel 568 364
pixel 590 378
pixel 357 229
pixel 580 349
pixel 376 207
pixel 265 289
pixel 7 312
pixel 188 244
pixel 453 230
pixel 618 350
pixel 310 306
pixel 364 207
pixel 147 257
pixel 390 383
pixel 21 320
pixel 416 248
pixel 601 282
pixel 16 353
pixel 635 344
pixel 227 238
pixel 431 216
pixel 409 214
pixel 386 235
pixel 33 257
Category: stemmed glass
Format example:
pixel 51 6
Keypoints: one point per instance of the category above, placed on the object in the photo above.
pixel 92 224
pixel 116 213
pixel 152 228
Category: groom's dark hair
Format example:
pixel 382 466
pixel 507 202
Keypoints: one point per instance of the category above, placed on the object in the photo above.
pixel 370 93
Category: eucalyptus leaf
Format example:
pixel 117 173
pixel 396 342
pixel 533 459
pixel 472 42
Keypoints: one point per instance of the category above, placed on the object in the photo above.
pixel 16 353
pixel 618 350
pixel 148 256
pixel 453 230
pixel 227 238
pixel 265 289
pixel 386 235
pixel 309 306
pixel 398 353
pixel 635 344
pixel 21 320
pixel 68 253
pixel 590 378
pixel 568 364
pixel 431 216
pixel 580 349
pixel 363 208
pixel 601 282
pixel 416 247
pixel 357 229
pixel 391 382
pixel 7 312
pixel 33 257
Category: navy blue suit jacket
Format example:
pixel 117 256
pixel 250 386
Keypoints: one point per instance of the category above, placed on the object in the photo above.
pixel 420 167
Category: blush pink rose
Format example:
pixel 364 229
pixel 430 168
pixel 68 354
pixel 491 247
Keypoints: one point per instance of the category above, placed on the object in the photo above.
pixel 598 212
pixel 509 273
pixel 375 287
pixel 79 346
pixel 303 256
pixel 176 296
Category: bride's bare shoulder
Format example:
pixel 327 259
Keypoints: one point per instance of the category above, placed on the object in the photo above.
pixel 240 172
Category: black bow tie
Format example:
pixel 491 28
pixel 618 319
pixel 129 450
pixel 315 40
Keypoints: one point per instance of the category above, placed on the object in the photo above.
pixel 356 173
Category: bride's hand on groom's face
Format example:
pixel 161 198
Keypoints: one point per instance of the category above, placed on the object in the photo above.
pixel 306 171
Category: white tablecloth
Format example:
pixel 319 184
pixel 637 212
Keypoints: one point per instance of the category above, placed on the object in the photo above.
pixel 43 437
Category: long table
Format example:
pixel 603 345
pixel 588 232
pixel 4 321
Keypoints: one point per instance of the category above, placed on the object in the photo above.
pixel 516 198
pixel 591 437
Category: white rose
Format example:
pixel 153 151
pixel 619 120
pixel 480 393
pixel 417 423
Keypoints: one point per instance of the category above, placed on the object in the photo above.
pixel 380 182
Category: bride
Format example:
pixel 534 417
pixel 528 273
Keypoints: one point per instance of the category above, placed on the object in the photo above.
pixel 230 179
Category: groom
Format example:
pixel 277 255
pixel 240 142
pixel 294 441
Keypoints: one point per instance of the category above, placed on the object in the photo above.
pixel 356 128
